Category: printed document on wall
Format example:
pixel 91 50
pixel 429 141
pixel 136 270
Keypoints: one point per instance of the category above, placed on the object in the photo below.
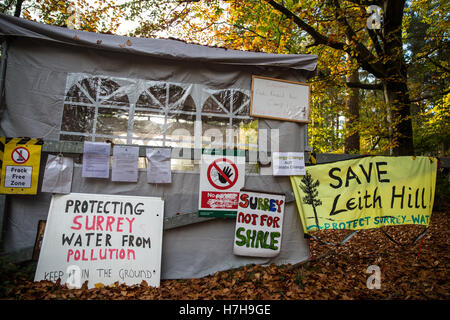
pixel 58 174
pixel 125 164
pixel 96 160
pixel 158 169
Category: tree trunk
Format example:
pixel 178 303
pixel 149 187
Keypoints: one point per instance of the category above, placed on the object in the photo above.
pixel 395 80
pixel 352 144
pixel 18 8
pixel 315 216
pixel 399 117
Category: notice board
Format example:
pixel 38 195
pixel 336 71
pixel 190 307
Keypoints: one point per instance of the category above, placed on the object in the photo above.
pixel 102 239
pixel 280 99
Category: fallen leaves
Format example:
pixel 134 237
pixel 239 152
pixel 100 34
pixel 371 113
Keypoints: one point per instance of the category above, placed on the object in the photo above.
pixel 339 274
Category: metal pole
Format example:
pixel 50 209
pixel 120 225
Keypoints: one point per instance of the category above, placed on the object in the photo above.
pixel 2 87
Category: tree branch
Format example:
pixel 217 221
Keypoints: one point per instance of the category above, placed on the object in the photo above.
pixel 317 36
pixel 368 86
pixel 374 38
pixel 430 96
pixel 366 2
pixel 360 53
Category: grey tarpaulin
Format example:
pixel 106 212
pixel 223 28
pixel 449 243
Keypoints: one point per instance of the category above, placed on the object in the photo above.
pixel 43 60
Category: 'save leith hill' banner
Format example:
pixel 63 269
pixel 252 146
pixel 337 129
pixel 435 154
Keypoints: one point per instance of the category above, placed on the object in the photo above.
pixel 366 193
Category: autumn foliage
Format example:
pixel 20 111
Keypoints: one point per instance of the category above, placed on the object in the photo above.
pixel 418 271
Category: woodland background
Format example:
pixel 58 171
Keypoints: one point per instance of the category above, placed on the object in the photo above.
pixel 382 85
pixel 379 89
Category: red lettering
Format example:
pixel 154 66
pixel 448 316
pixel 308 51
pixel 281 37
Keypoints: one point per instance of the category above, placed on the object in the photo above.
pixel 100 220
pixel 69 253
pixel 244 197
pixel 87 223
pixel 275 222
pixel 92 256
pixel 119 223
pixel 263 219
pixel 109 222
pixel 84 257
pixel 279 203
pixel 75 221
pixel 130 221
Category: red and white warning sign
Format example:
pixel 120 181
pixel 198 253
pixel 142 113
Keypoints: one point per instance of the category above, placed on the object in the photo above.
pixel 221 179
pixel 20 155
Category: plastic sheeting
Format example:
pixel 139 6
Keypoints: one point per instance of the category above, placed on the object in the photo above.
pixel 156 48
pixel 190 251
pixel 53 78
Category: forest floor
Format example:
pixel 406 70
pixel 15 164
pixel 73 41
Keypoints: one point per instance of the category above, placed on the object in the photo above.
pixel 418 271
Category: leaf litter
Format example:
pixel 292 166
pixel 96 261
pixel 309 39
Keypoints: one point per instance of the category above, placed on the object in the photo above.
pixel 418 272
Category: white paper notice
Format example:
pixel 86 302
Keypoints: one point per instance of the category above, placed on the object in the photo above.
pixel 96 160
pixel 158 169
pixel 58 174
pixel 288 163
pixel 125 164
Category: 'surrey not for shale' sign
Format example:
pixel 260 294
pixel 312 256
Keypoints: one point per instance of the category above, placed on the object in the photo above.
pixel 259 224
pixel 102 239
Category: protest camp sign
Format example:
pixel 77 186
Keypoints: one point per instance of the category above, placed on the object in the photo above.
pixel 259 224
pixel 20 167
pixel 102 239
pixel 222 175
pixel 366 193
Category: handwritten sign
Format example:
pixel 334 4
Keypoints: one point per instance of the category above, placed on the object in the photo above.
pixel 280 99
pixel 288 163
pixel 259 224
pixel 102 239
pixel 366 193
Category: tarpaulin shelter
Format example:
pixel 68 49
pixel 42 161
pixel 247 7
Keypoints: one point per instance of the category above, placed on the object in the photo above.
pixel 68 85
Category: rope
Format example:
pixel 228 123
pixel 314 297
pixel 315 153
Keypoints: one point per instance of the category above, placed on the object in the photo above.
pixel 413 242
pixel 307 236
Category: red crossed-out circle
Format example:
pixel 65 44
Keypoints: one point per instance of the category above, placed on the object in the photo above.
pixel 20 155
pixel 230 182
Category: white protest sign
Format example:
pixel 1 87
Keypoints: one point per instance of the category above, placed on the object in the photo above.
pixel 259 224
pixel 102 239
pixel 280 99
pixel 288 163
pixel 221 179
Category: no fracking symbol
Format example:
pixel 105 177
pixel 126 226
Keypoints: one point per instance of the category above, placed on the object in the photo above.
pixel 20 155
pixel 222 173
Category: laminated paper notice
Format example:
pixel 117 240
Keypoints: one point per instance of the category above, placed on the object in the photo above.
pixel 158 169
pixel 58 174
pixel 288 164
pixel 125 164
pixel 96 160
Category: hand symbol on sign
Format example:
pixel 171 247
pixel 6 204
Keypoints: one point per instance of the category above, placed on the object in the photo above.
pixel 228 173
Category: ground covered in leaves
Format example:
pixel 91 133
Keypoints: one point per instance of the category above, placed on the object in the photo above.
pixel 418 271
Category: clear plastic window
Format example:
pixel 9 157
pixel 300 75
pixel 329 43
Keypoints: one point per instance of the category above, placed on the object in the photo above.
pixel 156 113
